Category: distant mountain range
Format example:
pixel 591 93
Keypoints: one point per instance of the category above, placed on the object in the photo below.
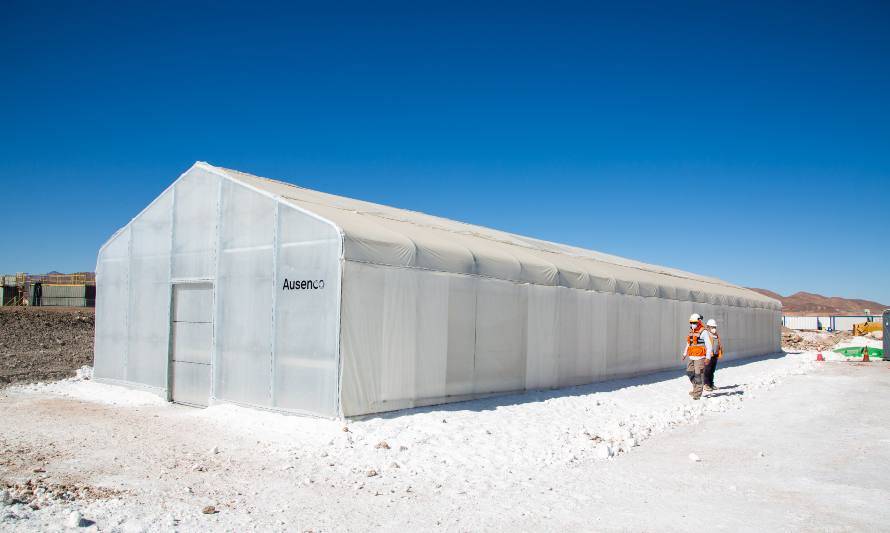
pixel 807 303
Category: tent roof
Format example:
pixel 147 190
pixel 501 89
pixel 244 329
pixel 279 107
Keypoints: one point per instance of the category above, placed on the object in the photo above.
pixel 384 235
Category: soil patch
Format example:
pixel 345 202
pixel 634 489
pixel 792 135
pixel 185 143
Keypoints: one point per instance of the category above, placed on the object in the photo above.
pixel 44 343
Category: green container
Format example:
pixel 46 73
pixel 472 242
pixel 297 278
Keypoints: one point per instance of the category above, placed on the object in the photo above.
pixel 61 295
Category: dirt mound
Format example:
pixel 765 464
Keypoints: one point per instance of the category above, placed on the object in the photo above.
pixel 806 303
pixel 811 340
pixel 44 343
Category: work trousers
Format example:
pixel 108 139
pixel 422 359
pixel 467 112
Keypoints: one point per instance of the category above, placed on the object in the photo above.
pixel 709 372
pixel 695 369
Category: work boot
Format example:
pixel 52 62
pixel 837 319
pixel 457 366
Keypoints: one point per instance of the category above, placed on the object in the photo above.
pixel 709 388
pixel 696 397
pixel 692 393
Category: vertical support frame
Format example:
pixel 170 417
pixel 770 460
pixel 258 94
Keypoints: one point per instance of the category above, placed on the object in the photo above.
pixel 167 377
pixel 276 239
pixel 126 376
pixel 214 348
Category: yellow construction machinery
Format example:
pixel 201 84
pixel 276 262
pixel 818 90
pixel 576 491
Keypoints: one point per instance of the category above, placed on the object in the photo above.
pixel 864 328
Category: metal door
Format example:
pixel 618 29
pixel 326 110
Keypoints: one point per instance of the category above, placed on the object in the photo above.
pixel 886 335
pixel 192 334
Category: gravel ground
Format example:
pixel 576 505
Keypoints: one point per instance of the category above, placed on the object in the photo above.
pixel 44 343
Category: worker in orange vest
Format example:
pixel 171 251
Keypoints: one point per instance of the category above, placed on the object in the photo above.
pixel 717 346
pixel 699 351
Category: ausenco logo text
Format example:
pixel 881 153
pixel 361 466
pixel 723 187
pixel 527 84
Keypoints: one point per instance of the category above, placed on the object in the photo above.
pixel 302 284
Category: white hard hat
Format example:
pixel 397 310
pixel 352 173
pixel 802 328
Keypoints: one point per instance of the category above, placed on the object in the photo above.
pixel 694 317
pixel 712 323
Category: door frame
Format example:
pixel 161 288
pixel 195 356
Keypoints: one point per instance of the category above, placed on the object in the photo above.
pixel 170 333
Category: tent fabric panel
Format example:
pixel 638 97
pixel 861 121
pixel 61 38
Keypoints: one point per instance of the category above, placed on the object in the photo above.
pixel 399 347
pixel 361 338
pixel 149 294
pixel 112 307
pixel 242 366
pixel 542 363
pixel 501 322
pixel 195 222
pixel 461 349
pixel 430 372
pixel 306 374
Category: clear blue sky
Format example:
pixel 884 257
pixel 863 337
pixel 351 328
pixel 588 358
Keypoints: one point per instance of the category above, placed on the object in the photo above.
pixel 760 130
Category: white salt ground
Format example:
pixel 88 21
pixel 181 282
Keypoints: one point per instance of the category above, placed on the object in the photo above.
pixel 517 462
pixel 860 341
pixel 82 387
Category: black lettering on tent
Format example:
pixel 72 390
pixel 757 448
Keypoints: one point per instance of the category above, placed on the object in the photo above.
pixel 305 284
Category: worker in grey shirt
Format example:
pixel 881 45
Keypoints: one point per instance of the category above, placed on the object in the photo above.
pixel 717 346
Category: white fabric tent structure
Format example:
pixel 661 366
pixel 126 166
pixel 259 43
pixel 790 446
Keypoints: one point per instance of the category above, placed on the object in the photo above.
pixel 234 288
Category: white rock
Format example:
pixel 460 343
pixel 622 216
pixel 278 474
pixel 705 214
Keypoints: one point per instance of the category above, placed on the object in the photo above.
pixel 695 458
pixel 133 526
pixel 74 519
pixel 4 497
pixel 214 450
pixel 761 454
pixel 603 451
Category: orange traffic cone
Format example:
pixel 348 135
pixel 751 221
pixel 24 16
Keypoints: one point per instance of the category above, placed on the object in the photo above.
pixel 819 357
pixel 865 354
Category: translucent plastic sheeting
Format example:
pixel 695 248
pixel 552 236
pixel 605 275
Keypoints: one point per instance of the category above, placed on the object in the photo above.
pixel 307 300
pixel 195 222
pixel 112 307
pixel 413 337
pixel 149 309
pixel 243 365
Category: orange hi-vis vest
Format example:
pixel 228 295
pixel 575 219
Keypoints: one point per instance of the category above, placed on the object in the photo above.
pixel 695 346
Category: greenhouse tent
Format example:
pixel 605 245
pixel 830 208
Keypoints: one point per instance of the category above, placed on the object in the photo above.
pixel 234 288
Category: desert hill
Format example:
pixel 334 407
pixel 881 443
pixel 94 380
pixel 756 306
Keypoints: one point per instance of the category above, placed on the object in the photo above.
pixel 807 303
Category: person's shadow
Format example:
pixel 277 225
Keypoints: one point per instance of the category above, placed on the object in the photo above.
pixel 727 393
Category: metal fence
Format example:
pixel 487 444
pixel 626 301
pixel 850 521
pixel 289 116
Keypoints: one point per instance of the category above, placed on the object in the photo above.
pixel 830 323
pixel 51 295
pixel 801 322
pixel 845 323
